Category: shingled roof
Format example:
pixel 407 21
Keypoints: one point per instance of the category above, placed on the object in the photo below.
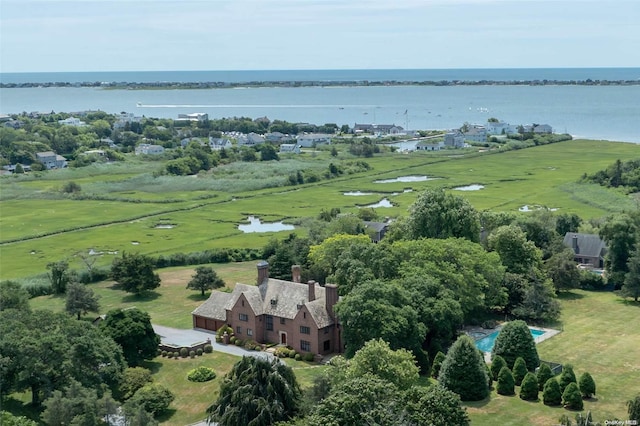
pixel 588 245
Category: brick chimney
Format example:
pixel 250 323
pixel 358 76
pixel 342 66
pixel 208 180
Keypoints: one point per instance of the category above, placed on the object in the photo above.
pixel 574 243
pixel 331 298
pixel 312 290
pixel 295 273
pixel 263 272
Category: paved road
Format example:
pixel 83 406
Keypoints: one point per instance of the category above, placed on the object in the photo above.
pixel 180 336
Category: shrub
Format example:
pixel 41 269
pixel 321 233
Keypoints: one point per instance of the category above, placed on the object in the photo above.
pixel 529 388
pixel 496 365
pixel 519 370
pixel 308 357
pixel 464 371
pixel 571 397
pixel 208 349
pixel 587 385
pixel 225 328
pixel 515 341
pixel 184 352
pixel 199 352
pixel 298 357
pixel 154 398
pixel 133 379
pixel 169 354
pixel 218 339
pixel 567 376
pixel 239 342
pixel 633 408
pixel 437 363
pixel 551 394
pixel 506 384
pixel 544 374
pixel 192 354
pixel 163 354
pixel 292 353
pixel 201 374
pixel 232 340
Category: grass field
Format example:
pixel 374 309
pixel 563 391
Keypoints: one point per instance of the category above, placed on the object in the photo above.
pixel 599 335
pixel 130 201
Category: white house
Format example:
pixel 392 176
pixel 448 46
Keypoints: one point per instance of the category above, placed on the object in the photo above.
pixel 429 146
pixel 194 116
pixel 217 144
pixel 289 148
pixel 500 128
pixel 311 139
pixel 124 118
pixel 51 160
pixel 72 121
pixel 148 149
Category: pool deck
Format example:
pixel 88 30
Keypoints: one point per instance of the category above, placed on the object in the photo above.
pixel 477 333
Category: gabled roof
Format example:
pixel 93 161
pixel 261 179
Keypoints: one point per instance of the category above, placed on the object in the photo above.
pixel 588 245
pixel 214 306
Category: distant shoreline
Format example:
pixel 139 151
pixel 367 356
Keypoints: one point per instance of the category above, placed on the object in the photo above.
pixel 164 85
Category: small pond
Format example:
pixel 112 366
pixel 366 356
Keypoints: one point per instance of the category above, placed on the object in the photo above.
pixel 255 225
pixel 357 193
pixel 165 226
pixel 527 208
pixel 406 179
pixel 473 187
pixel 382 203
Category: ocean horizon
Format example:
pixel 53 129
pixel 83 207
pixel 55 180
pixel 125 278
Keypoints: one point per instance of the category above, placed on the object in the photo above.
pixel 401 75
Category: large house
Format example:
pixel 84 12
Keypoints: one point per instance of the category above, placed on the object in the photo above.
pixel 149 149
pixel 283 312
pixel 454 139
pixel 51 160
pixel 313 139
pixel 588 249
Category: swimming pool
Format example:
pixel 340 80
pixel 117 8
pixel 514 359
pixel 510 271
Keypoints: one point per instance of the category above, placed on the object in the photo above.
pixel 486 343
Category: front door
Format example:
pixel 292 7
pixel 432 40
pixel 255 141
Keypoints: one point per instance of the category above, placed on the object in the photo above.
pixel 283 338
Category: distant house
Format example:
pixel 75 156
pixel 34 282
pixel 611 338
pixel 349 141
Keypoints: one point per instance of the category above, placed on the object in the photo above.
pixel 289 148
pixel 216 144
pixel 313 139
pixel 125 118
pixel 277 137
pixel 429 146
pixel 588 249
pixel 454 139
pixel 51 160
pixel 149 149
pixel 382 129
pixel 500 128
pixel 377 230
pixel 542 129
pixel 14 124
pixel 476 134
pixel 251 139
pixel 195 116
pixel 276 311
pixel 72 121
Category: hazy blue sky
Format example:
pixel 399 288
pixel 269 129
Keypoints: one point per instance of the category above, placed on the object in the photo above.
pixel 88 35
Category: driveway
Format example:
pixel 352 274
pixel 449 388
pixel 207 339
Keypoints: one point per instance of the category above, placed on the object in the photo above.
pixel 182 337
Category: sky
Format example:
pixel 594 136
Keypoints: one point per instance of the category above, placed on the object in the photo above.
pixel 157 35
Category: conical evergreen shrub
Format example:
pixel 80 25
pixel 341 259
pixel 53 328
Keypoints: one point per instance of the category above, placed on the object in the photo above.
pixel 551 394
pixel 571 397
pixel 567 376
pixel 544 374
pixel 437 364
pixel 464 371
pixel 519 370
pixel 513 341
pixel 529 387
pixel 587 385
pixel 497 363
pixel 506 384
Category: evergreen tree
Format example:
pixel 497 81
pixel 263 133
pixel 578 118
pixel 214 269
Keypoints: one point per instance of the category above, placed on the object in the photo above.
pixel 437 364
pixel 529 387
pixel 519 370
pixel 551 394
pixel 515 341
pixel 506 384
pixel 571 397
pixel 544 374
pixel 464 372
pixel 587 385
pixel 567 376
pixel 497 363
pixel 633 409
pixel 631 286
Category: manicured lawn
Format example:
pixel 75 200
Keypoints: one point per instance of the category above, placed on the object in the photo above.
pixel 600 335
pixel 170 304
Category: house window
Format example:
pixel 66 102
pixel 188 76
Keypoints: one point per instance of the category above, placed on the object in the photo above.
pixel 281 320
pixel 269 323
pixel 238 330
pixel 304 315
pixel 305 330
pixel 327 345
pixel 249 332
pixel 305 346
pixel 243 303
pixel 326 330
pixel 243 317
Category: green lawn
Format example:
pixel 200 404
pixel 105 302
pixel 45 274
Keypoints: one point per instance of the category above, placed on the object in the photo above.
pixel 170 304
pixel 600 335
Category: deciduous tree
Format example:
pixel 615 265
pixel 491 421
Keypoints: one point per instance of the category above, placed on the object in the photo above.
pixel 13 296
pixel 204 279
pixel 134 272
pixel 132 330
pixel 631 286
pixel 80 300
pixel 59 276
